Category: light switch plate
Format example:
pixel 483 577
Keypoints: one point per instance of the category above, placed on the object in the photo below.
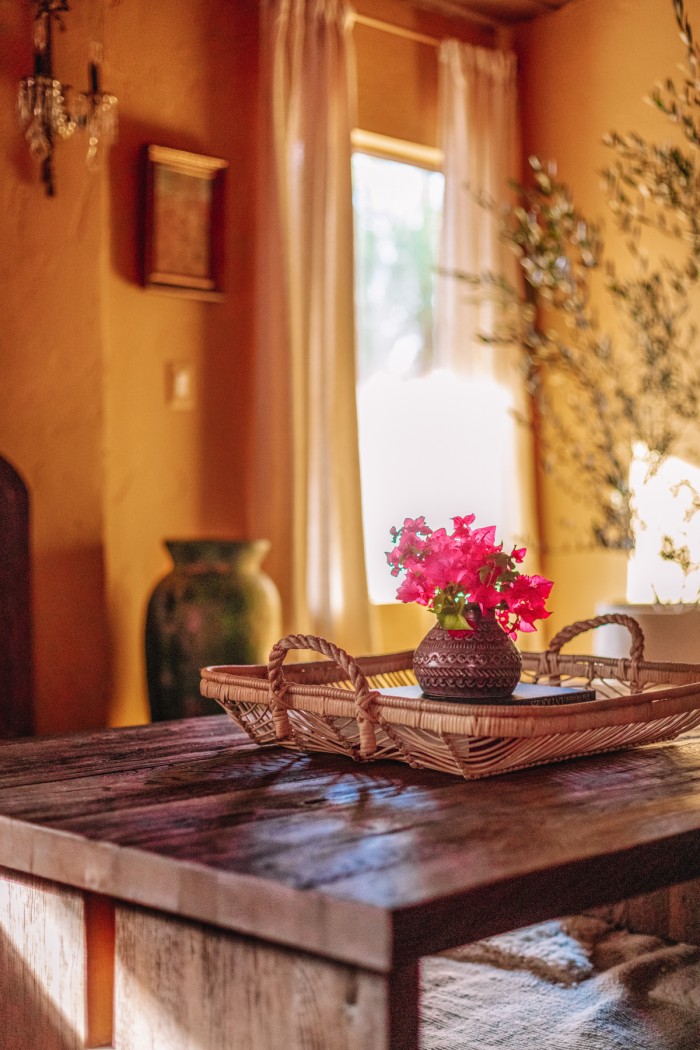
pixel 179 385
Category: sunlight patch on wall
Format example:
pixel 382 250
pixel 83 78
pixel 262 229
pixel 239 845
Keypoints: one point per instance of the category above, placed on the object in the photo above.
pixel 668 513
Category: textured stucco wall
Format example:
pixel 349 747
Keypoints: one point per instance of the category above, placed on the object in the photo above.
pixel 51 405
pixel 170 473
pixel 83 348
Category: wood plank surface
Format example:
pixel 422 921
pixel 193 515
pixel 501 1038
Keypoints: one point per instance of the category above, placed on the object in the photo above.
pixel 54 759
pixel 182 985
pixel 375 864
pixel 56 965
pixel 43 976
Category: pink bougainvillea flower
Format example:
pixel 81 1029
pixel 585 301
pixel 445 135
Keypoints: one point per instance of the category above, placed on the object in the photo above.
pixel 487 535
pixel 413 589
pixel 463 523
pixel 465 574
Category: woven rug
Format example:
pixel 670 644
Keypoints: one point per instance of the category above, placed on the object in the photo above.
pixel 570 984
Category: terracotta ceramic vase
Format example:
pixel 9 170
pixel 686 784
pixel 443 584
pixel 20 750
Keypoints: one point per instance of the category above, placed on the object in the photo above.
pixel 483 664
pixel 217 606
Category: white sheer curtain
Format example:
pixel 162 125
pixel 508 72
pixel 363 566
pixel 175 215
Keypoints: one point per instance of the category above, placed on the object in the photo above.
pixel 306 488
pixel 478 136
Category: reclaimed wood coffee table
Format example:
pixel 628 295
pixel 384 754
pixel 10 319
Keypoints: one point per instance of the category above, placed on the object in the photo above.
pixel 255 899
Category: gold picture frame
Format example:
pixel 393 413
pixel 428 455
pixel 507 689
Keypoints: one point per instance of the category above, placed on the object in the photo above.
pixel 183 235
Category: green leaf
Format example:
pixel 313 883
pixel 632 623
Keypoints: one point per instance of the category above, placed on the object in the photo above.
pixel 452 621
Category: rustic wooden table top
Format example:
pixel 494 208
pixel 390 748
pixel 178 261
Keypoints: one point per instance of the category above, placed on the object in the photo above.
pixel 373 864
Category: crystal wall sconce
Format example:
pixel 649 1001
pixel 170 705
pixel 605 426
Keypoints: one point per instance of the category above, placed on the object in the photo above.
pixel 42 108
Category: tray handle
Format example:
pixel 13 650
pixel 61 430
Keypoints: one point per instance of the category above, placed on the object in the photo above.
pixel 363 697
pixel 581 626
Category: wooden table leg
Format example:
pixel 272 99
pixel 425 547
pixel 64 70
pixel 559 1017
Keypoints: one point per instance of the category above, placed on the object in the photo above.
pixel 182 985
pixel 56 960
pixel 673 912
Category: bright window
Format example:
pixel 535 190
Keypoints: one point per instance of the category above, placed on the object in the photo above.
pixel 398 208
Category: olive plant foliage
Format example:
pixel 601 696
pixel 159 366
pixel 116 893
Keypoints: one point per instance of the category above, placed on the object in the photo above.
pixel 599 394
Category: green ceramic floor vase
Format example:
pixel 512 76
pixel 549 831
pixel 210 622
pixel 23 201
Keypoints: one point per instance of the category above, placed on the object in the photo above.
pixel 216 606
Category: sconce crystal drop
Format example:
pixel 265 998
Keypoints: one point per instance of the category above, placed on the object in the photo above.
pixel 42 108
pixel 96 111
pixel 98 115
pixel 42 114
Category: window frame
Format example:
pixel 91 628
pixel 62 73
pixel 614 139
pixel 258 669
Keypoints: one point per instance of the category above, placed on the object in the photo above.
pixel 421 156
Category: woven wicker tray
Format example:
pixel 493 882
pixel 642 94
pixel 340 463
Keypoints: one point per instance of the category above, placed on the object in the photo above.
pixel 336 707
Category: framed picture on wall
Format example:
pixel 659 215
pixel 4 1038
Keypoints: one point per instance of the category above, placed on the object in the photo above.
pixel 183 234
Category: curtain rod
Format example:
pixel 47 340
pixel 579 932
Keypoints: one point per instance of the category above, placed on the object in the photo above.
pixel 388 27
pixel 411 34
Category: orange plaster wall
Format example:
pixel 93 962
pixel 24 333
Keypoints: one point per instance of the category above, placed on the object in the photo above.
pixel 584 71
pixel 172 473
pixel 83 348
pixel 51 407
pixel 397 75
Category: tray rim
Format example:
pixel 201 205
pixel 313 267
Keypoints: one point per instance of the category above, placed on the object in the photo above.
pixel 230 685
